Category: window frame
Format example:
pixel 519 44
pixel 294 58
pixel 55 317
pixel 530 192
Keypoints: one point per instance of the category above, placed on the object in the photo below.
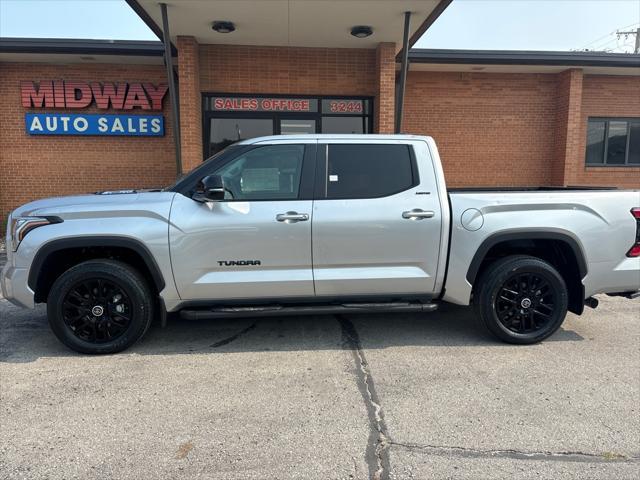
pixel 322 164
pixel 605 150
pixel 186 186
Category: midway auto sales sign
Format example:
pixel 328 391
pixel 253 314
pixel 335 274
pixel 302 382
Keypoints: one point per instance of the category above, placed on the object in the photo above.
pixel 106 95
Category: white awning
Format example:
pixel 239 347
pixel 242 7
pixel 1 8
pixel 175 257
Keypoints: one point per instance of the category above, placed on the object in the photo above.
pixel 299 23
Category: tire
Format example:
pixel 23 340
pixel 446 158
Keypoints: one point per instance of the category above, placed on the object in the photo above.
pixel 100 306
pixel 521 299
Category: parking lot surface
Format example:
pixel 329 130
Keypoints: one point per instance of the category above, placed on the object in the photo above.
pixel 326 397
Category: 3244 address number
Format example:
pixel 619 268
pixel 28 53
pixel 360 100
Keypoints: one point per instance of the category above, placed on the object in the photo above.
pixel 339 106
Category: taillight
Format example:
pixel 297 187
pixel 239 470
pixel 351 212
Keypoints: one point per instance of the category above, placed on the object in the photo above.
pixel 635 250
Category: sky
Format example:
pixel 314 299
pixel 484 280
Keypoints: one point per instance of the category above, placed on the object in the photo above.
pixel 465 24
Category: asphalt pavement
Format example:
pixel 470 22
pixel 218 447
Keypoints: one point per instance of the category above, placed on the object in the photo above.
pixel 327 397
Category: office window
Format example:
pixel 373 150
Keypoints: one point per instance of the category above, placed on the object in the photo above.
pixel 595 141
pixel 344 124
pixel 613 141
pixel 225 131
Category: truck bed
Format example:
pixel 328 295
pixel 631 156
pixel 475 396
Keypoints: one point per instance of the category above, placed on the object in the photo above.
pixel 597 221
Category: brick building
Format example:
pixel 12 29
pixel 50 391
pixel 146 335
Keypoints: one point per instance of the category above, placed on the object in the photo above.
pixel 500 118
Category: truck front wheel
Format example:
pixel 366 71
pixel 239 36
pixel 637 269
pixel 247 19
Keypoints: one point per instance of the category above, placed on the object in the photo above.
pixel 521 299
pixel 100 306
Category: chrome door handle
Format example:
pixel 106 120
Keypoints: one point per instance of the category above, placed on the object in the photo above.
pixel 292 217
pixel 417 214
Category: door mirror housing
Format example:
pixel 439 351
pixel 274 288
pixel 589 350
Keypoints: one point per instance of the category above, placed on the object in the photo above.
pixel 209 189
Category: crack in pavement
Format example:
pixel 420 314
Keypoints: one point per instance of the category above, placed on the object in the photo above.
pixel 226 341
pixel 379 443
pixel 567 456
pixel 376 454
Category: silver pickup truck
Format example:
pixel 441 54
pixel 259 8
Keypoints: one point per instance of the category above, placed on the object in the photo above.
pixel 319 224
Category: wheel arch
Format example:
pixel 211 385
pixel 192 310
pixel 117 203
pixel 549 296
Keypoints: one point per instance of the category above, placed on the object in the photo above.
pixel 573 268
pixel 38 279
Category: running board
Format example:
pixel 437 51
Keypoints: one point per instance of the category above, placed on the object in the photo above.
pixel 280 310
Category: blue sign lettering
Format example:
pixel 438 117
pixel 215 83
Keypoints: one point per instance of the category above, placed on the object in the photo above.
pixel 94 124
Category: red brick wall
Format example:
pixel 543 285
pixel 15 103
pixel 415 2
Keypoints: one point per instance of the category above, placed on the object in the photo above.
pixel 190 103
pixel 33 167
pixel 519 129
pixel 384 111
pixel 491 129
pixel 606 96
pixel 282 70
pixel 568 149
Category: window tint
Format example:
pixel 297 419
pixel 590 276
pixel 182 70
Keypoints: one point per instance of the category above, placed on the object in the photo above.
pixel 271 172
pixel 595 142
pixel 368 171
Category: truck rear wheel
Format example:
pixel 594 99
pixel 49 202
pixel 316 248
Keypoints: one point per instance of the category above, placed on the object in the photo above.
pixel 521 299
pixel 100 306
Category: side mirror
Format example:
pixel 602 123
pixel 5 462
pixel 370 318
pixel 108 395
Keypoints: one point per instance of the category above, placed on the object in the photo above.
pixel 209 189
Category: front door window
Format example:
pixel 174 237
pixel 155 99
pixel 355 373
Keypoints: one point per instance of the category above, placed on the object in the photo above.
pixel 271 172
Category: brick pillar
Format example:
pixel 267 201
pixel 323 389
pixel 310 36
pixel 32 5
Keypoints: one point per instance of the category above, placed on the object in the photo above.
pixel 190 103
pixel 568 154
pixel 384 108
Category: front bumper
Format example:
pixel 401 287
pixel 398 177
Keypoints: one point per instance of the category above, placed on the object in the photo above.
pixel 15 288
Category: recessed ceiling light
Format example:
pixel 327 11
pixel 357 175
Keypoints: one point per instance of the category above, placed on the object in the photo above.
pixel 223 26
pixel 361 31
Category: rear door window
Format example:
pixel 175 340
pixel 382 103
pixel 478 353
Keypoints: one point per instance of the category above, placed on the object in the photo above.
pixel 368 170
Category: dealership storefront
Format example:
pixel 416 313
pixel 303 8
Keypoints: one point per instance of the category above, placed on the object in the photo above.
pixel 81 115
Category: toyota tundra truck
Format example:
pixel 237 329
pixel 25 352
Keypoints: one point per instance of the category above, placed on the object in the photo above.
pixel 319 224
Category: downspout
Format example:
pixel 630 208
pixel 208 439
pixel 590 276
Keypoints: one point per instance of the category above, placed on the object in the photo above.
pixel 403 71
pixel 175 111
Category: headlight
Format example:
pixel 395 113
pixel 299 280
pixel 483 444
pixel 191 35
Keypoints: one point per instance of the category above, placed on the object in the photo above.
pixel 20 226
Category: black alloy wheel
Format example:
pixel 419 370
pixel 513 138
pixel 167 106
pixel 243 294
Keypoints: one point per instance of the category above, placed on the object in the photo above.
pixel 525 303
pixel 521 299
pixel 97 310
pixel 100 306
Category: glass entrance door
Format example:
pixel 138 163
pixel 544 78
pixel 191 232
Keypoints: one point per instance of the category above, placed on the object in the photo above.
pixel 292 126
